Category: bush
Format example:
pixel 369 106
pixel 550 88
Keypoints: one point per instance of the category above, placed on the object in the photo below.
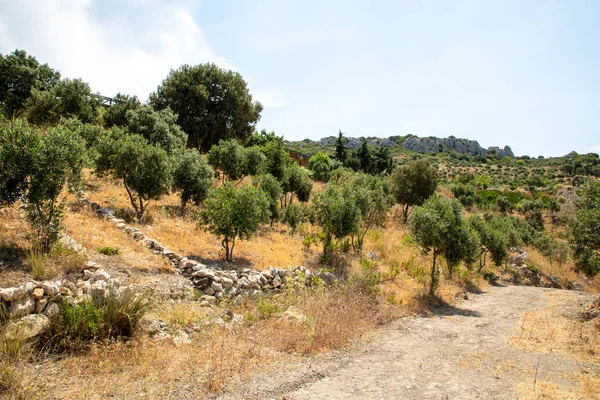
pixel 111 316
pixel 109 251
pixel 320 165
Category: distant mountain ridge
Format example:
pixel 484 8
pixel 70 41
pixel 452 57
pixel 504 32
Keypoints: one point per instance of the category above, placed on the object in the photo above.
pixel 461 146
pixel 425 145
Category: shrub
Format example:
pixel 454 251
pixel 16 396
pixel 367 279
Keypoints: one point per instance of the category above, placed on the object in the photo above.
pixel 111 316
pixel 320 165
pixel 109 251
pixel 232 213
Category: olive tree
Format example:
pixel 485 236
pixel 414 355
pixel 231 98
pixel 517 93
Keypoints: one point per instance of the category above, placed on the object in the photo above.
pixel 234 160
pixel 232 213
pixel 273 190
pixel 35 168
pixel 192 176
pixel 296 182
pixel 412 184
pixel 372 196
pixel 337 213
pixel 144 169
pixel 493 239
pixel 434 226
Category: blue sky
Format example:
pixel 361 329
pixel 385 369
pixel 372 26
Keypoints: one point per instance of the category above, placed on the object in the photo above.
pixel 522 73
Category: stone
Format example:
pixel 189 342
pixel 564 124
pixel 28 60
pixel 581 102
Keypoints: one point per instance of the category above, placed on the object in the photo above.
pixel 88 274
pixel 575 286
pixel 267 274
pixel 27 327
pixel 91 264
pixel 204 273
pixel 12 293
pixel 22 307
pixel 40 305
pixel 292 314
pixel 217 287
pixel 51 288
pixel 209 291
pixel 51 310
pixel 226 282
pixel 37 293
pixel 101 275
pixel 98 289
pixel 276 281
pixel 181 338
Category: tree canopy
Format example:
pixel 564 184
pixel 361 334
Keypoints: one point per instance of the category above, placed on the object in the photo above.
pixel 20 73
pixel 413 183
pixel 211 104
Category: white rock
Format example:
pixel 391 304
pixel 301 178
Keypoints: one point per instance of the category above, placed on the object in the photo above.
pixel 98 289
pixel 101 275
pixel 40 305
pixel 22 307
pixel 50 288
pixel 292 314
pixel 51 310
pixel 12 293
pixel 27 327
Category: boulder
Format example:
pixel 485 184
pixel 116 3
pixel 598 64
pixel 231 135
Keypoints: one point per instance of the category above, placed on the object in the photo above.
pixel 12 293
pixel 22 307
pixel 27 327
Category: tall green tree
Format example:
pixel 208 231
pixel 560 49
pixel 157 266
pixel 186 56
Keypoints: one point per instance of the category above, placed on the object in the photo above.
pixel 412 184
pixel 19 74
pixel 340 150
pixel 212 104
pixel 296 182
pixel 116 115
pixel 233 214
pixel 235 161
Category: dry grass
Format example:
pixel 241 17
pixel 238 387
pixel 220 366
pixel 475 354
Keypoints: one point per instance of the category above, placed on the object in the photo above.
pixel 549 331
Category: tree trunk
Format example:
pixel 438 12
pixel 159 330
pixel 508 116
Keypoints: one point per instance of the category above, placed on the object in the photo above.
pixel 434 275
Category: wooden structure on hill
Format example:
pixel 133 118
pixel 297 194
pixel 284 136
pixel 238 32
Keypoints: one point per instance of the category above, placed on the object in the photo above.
pixel 301 159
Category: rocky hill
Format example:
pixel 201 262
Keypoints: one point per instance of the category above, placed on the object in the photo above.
pixel 461 146
pixel 423 145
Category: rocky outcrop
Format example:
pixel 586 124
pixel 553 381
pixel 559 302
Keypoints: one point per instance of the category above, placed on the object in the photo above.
pixel 461 146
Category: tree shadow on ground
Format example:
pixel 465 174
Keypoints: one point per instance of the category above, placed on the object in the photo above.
pixel 12 257
pixel 439 307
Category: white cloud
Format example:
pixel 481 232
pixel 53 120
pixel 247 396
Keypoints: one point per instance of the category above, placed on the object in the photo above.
pixel 113 56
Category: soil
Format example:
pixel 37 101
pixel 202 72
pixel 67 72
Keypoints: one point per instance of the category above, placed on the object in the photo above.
pixel 461 352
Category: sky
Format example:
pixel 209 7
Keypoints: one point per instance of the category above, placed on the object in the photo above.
pixel 519 73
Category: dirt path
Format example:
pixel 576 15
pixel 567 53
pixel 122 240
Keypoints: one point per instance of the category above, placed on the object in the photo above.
pixel 461 353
